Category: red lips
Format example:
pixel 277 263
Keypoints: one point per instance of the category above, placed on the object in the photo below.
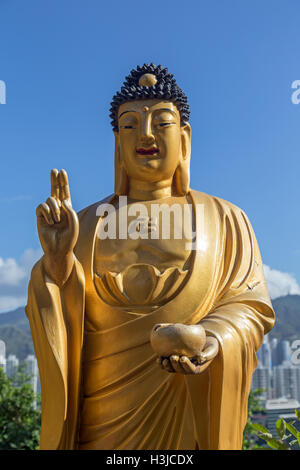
pixel 150 151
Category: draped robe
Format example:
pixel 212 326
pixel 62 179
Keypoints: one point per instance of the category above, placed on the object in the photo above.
pixel 103 389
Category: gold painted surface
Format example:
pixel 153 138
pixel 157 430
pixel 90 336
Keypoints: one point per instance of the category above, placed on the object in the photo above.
pixel 93 303
pixel 148 79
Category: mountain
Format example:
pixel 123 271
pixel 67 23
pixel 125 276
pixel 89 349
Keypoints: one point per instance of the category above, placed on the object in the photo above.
pixel 15 330
pixel 16 317
pixel 287 311
pixel 17 341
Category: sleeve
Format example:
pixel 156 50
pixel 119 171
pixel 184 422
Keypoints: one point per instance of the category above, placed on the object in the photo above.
pixel 56 321
pixel 242 314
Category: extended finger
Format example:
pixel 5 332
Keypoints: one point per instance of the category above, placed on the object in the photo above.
pixel 54 208
pixel 167 365
pixel 71 215
pixel 43 211
pixel 188 366
pixel 54 183
pixel 64 185
pixel 174 359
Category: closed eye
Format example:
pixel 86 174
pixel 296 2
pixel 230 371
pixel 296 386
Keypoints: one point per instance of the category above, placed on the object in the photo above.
pixel 165 124
pixel 127 127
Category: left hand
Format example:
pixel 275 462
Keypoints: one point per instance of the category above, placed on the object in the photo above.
pixel 185 365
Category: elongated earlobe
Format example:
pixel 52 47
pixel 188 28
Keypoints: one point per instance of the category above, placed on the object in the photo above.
pixel 182 178
pixel 121 177
pixel 182 173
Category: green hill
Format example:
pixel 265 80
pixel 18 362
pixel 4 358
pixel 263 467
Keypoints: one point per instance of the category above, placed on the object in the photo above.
pixel 16 317
pixel 287 310
pixel 17 341
pixel 15 332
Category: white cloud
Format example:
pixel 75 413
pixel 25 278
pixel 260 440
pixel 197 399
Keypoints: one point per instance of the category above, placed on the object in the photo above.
pixel 11 303
pixel 30 257
pixel 280 283
pixel 10 272
pixel 14 278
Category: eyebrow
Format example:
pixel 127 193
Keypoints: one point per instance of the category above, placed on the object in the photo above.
pixel 160 109
pixel 124 112
pixel 166 109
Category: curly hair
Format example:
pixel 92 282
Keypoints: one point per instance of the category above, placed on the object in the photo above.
pixel 165 88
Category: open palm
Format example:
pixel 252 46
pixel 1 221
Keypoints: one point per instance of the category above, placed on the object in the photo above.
pixel 57 221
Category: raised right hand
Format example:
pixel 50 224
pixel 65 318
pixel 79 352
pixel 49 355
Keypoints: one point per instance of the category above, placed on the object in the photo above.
pixel 58 227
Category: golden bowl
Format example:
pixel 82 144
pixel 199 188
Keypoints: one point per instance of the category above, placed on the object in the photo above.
pixel 183 340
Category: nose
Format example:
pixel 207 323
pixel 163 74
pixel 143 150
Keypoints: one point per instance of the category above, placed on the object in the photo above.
pixel 147 136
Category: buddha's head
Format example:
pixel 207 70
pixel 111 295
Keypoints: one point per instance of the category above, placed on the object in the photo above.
pixel 152 134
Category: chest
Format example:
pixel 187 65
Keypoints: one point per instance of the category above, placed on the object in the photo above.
pixel 142 254
pixel 148 233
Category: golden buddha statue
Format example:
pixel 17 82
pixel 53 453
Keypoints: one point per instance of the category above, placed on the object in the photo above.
pixel 102 288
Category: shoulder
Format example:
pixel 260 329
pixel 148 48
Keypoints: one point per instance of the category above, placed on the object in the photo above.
pixel 223 206
pixel 88 220
pixel 91 210
pixel 225 211
pixel 230 218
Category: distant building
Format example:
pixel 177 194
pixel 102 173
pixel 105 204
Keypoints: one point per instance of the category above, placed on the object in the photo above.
pixel 264 354
pixel 31 368
pixel 273 343
pixel 280 408
pixel 281 353
pixel 262 379
pixel 284 351
pixel 274 346
pixel 12 365
pixel 286 381
pixel 2 355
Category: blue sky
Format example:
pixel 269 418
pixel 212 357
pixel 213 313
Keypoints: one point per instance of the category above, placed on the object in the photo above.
pixel 63 60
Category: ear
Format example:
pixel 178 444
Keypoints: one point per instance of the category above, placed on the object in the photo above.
pixel 117 146
pixel 182 173
pixel 186 134
pixel 121 178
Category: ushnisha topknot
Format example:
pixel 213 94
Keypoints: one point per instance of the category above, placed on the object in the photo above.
pixel 150 82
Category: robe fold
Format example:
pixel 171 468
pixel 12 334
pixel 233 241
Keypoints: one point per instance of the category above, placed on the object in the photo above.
pixel 102 389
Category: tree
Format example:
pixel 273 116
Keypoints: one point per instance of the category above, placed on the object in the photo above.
pixel 250 438
pixel 20 418
pixel 288 436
